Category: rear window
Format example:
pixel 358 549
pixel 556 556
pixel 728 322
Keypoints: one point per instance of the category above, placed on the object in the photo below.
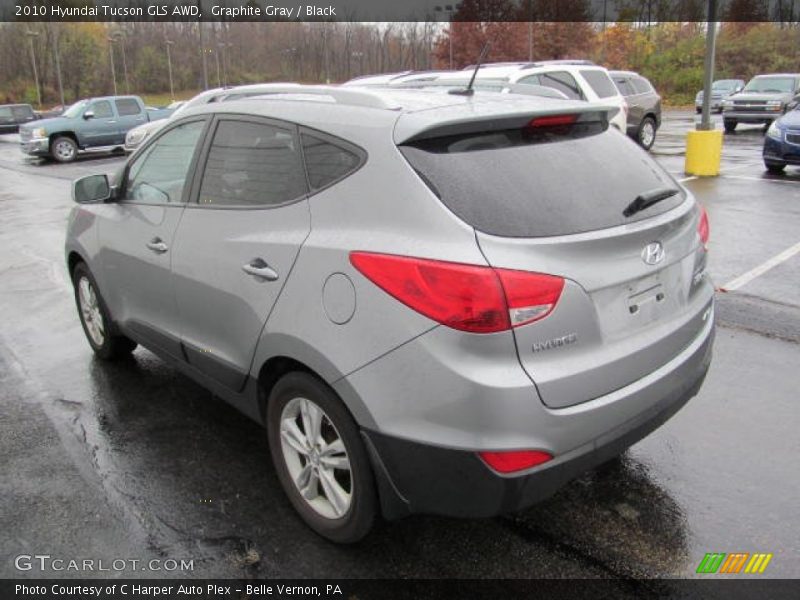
pixel 537 183
pixel 22 112
pixel 600 82
pixel 5 111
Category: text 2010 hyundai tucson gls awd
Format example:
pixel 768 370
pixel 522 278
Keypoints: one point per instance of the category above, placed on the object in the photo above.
pixel 435 302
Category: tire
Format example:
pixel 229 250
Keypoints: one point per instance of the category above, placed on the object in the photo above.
pixel 775 168
pixel 293 395
pixel 730 125
pixel 646 133
pixel 63 149
pixel 106 342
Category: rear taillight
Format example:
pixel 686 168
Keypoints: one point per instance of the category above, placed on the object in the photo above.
pixel 703 228
pixel 515 460
pixel 469 298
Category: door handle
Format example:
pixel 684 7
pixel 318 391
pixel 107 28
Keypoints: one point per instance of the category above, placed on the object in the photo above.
pixel 259 268
pixel 157 245
pixel 111 122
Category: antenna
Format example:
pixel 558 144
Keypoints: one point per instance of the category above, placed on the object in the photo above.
pixel 468 91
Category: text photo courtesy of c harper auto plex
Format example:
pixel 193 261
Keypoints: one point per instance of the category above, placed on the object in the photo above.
pixel 365 299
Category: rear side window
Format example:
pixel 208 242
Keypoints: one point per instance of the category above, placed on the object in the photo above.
pixel 624 86
pixel 642 86
pixel 5 111
pixel 328 161
pixel 252 164
pixel 528 183
pixel 22 112
pixel 600 82
pixel 127 107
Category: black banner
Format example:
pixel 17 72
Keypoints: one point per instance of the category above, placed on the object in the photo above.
pixel 638 11
pixel 410 589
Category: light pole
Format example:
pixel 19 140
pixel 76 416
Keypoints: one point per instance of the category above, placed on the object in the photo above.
pixel 216 56
pixel 111 55
pixel 169 66
pixel 121 39
pixel 221 46
pixel 58 62
pixel 31 35
pixel 449 10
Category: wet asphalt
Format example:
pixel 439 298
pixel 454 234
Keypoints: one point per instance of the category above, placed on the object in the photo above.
pixel 133 460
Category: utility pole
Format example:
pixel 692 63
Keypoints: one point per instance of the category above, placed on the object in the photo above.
pixel 31 35
pixel 221 48
pixel 121 39
pixel 111 55
pixel 169 66
pixel 58 61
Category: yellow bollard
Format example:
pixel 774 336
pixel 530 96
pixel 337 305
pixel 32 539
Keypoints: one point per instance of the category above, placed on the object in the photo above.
pixel 703 153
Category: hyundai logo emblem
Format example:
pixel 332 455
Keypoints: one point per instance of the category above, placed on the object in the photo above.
pixel 653 253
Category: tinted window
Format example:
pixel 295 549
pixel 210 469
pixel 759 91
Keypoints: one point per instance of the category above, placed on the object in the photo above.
pixel 102 109
pixel 624 86
pixel 159 175
pixel 252 164
pixel 327 162
pixel 563 82
pixel 600 82
pixel 127 107
pixel 524 183
pixel 641 85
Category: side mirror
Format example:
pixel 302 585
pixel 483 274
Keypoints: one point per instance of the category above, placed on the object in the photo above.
pixel 89 114
pixel 91 189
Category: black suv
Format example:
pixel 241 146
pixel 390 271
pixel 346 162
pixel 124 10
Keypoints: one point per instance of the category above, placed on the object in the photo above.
pixel 644 106
pixel 14 115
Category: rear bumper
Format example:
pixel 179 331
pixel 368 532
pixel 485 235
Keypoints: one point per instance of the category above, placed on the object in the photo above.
pixel 36 147
pixel 416 477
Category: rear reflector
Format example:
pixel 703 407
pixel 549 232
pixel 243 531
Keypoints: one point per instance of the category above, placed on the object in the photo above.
pixel 472 298
pixel 515 460
pixel 553 120
pixel 703 227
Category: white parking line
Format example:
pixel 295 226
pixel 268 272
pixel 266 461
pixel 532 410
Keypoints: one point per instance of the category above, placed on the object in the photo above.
pixel 735 284
pixel 761 179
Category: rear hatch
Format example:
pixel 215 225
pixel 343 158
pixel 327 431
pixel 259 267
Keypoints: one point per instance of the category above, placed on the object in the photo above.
pixel 559 198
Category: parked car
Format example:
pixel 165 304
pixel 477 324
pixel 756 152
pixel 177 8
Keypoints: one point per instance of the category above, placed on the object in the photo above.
pixel 14 115
pixel 402 78
pixel 91 124
pixel 576 79
pixel 763 99
pixel 644 106
pixel 782 142
pixel 720 90
pixel 525 297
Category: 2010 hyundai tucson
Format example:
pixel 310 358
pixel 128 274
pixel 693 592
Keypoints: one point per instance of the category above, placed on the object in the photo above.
pixel 435 302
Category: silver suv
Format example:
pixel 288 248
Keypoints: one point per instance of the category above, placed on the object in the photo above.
pixel 435 303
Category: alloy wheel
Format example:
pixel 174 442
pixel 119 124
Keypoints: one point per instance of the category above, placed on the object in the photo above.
pixel 316 458
pixel 90 311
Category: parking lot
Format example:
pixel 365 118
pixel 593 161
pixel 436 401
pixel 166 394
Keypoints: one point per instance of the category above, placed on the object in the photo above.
pixel 132 460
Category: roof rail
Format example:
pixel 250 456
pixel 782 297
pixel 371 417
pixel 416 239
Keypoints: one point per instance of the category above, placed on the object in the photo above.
pixel 566 61
pixel 353 96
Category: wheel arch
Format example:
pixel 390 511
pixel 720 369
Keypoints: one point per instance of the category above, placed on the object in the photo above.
pixel 70 134
pixel 292 354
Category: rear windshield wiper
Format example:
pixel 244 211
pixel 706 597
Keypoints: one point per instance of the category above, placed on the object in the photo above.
pixel 648 199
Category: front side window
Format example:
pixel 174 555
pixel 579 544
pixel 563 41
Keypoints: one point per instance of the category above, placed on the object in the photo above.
pixel 102 109
pixel 600 82
pixel 563 82
pixel 327 162
pixel 158 176
pixel 252 164
pixel 127 107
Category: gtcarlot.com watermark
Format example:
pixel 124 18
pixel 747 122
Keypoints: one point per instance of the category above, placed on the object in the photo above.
pixel 46 562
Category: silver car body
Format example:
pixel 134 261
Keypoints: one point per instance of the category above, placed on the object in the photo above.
pixel 583 383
